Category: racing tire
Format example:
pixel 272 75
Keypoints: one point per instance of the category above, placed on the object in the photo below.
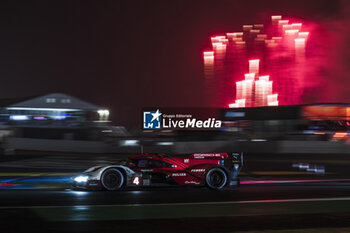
pixel 216 178
pixel 112 179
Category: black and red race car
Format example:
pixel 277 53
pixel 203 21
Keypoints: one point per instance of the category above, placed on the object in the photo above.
pixel 214 170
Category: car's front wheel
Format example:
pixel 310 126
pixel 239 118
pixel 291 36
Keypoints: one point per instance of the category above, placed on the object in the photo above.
pixel 112 179
pixel 216 178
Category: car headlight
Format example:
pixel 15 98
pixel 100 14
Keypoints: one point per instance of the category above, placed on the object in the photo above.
pixel 81 179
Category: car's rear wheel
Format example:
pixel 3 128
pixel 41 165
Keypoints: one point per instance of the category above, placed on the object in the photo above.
pixel 216 178
pixel 112 179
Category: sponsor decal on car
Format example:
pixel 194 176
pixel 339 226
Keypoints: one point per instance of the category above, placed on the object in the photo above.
pixel 203 155
pixel 198 170
pixel 191 182
pixel 179 174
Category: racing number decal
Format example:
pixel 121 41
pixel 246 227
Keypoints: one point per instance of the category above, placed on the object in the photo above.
pixel 136 180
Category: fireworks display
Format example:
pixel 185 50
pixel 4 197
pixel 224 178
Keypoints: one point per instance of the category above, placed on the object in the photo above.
pixel 269 58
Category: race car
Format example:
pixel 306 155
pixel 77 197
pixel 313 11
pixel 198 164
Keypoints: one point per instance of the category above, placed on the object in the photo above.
pixel 214 170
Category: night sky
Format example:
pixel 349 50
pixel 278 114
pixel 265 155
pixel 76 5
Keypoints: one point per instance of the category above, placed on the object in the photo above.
pixel 126 55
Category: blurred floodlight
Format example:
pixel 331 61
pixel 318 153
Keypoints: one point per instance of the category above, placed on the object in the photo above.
pixel 130 142
pixel 275 18
pixel 165 143
pixel 254 66
pixel 19 117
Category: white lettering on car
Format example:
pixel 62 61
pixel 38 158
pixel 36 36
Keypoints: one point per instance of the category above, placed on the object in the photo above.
pixel 191 182
pixel 198 170
pixel 136 181
pixel 178 174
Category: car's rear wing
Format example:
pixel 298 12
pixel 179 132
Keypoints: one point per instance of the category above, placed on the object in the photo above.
pixel 227 159
pixel 233 165
pixel 237 157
